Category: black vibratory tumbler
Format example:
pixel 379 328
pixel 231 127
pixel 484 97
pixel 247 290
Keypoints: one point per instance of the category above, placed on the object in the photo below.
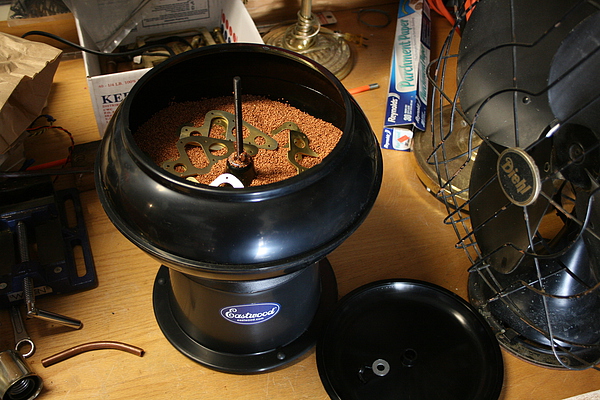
pixel 244 285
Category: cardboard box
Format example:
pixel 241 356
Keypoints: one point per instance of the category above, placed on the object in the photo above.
pixel 406 107
pixel 109 90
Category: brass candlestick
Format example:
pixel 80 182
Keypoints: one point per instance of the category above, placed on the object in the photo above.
pixel 306 37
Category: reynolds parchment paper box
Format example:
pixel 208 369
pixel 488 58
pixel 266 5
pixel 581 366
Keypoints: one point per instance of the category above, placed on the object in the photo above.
pixel 406 107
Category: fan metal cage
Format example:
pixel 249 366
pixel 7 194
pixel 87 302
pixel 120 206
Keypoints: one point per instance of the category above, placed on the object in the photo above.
pixel 516 80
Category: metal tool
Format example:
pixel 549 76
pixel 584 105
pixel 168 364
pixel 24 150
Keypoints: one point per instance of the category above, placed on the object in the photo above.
pixel 34 312
pixel 43 236
pixel 22 339
pixel 17 380
pixel 29 293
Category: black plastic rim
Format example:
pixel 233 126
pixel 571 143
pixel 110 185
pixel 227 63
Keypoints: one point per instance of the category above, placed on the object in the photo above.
pixel 139 198
pixel 243 363
pixel 406 339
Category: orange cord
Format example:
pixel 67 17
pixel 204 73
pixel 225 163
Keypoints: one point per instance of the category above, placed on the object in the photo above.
pixel 468 5
pixel 363 88
pixel 439 7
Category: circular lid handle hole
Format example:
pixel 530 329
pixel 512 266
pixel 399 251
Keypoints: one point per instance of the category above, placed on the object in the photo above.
pixel 409 357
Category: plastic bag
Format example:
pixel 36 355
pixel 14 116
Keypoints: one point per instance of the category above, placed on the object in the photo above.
pixel 108 22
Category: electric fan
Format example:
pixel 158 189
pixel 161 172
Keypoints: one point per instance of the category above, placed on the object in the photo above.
pixel 527 213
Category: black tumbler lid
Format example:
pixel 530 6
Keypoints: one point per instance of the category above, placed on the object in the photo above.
pixel 406 339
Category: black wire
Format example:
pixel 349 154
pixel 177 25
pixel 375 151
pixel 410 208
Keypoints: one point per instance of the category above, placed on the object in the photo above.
pixel 136 52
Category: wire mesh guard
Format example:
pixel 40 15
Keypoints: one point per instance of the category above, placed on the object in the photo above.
pixel 513 152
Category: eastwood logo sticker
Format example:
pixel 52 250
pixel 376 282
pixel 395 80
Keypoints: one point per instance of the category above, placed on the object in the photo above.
pixel 250 314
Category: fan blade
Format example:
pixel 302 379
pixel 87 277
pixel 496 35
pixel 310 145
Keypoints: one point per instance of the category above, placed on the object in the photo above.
pixel 574 93
pixel 556 313
pixel 587 211
pixel 504 61
pixel 499 226
pixel 574 97
pixel 549 304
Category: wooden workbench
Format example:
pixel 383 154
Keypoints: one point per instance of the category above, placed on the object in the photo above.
pixel 403 237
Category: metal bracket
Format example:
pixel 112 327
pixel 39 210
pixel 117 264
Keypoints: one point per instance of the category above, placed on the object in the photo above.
pixel 214 149
pixel 299 145
pixel 256 137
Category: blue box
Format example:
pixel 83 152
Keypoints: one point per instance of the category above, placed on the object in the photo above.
pixel 406 106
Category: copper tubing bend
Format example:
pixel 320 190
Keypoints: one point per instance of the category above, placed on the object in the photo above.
pixel 82 348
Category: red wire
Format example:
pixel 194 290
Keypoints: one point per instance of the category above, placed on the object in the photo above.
pixel 439 7
pixel 50 164
pixel 64 161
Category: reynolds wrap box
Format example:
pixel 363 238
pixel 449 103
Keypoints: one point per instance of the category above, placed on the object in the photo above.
pixel 406 107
